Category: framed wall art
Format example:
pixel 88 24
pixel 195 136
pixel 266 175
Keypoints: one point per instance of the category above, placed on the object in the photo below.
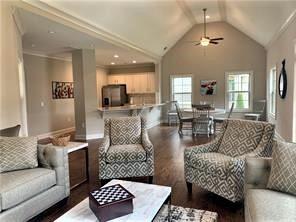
pixel 208 87
pixel 62 90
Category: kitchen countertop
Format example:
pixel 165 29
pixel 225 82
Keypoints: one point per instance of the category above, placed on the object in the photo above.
pixel 129 107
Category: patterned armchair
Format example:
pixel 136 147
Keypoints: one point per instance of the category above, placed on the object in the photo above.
pixel 126 150
pixel 219 166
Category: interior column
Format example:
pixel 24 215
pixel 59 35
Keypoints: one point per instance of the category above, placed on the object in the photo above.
pixel 87 119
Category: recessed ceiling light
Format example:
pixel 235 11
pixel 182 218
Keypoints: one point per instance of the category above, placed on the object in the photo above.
pixel 207 16
pixel 134 61
pixel 116 56
pixel 51 32
pixel 33 45
pixel 112 63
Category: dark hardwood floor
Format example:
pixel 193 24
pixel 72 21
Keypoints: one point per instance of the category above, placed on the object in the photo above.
pixel 169 171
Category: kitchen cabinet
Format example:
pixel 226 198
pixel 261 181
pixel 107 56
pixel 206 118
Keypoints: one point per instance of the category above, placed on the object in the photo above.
pixel 116 79
pixel 135 83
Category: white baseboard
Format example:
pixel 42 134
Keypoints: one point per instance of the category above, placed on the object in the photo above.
pixel 89 136
pixel 56 133
pixel 152 124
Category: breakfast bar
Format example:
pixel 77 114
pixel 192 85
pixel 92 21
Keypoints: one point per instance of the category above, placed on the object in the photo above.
pixel 151 112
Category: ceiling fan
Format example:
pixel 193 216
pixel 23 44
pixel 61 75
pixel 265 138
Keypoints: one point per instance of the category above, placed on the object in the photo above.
pixel 205 41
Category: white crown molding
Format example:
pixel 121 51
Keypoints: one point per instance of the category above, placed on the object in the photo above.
pixel 17 20
pixel 69 19
pixel 283 28
pixel 45 56
pixel 187 11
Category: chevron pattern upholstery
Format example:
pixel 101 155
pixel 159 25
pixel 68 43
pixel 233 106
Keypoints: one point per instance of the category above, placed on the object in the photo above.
pixel 126 150
pixel 219 166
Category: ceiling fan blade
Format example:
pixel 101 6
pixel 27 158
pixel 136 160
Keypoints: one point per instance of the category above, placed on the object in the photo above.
pixel 214 42
pixel 217 39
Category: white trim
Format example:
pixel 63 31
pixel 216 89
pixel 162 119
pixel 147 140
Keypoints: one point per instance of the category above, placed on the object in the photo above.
pixel 153 124
pixel 89 136
pixel 180 76
pixel 283 28
pixel 251 73
pixel 56 133
pixel 272 115
pixel 17 21
pixel 26 52
pixel 65 17
pixel 187 11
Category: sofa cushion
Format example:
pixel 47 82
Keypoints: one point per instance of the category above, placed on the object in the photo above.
pixel 126 153
pixel 18 153
pixel 266 205
pixel 211 163
pixel 283 168
pixel 241 137
pixel 19 186
pixel 125 130
pixel 11 131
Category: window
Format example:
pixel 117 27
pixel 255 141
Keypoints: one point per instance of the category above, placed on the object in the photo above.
pixel 181 90
pixel 272 91
pixel 239 91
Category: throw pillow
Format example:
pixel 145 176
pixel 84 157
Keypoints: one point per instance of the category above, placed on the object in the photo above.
pixel 283 168
pixel 17 153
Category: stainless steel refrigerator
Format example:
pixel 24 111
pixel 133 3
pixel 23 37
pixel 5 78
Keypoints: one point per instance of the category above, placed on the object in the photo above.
pixel 114 95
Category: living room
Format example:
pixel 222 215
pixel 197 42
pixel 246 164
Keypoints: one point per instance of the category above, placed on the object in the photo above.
pixel 193 101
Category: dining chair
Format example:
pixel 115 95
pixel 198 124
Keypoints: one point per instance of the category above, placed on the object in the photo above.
pixel 219 120
pixel 202 121
pixel 183 121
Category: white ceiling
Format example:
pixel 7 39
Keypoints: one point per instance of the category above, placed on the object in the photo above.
pixel 38 40
pixel 152 25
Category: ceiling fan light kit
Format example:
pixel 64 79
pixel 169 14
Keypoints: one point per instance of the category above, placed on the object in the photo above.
pixel 205 41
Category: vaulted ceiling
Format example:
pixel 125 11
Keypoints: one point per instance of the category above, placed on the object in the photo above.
pixel 151 25
pixel 155 24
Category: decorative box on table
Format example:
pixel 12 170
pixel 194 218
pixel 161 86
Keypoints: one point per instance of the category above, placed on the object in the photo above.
pixel 111 202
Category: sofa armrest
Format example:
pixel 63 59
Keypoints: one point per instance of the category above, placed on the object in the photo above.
pixel 147 145
pixel 56 158
pixel 257 172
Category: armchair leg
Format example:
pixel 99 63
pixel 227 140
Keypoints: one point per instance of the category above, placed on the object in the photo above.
pixel 189 187
pixel 150 179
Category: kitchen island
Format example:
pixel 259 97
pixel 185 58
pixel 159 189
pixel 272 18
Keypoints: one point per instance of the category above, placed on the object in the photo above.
pixel 152 112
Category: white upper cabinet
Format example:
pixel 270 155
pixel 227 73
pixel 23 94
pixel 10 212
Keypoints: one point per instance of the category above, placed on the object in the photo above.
pixel 116 79
pixel 135 83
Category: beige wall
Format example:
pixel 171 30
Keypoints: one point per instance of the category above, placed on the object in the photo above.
pixel 55 114
pixel 237 52
pixel 285 48
pixel 10 107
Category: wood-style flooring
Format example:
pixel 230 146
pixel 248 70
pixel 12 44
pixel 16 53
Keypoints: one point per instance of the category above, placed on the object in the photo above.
pixel 169 171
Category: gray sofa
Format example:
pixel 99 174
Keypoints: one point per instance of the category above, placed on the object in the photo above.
pixel 262 204
pixel 26 193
